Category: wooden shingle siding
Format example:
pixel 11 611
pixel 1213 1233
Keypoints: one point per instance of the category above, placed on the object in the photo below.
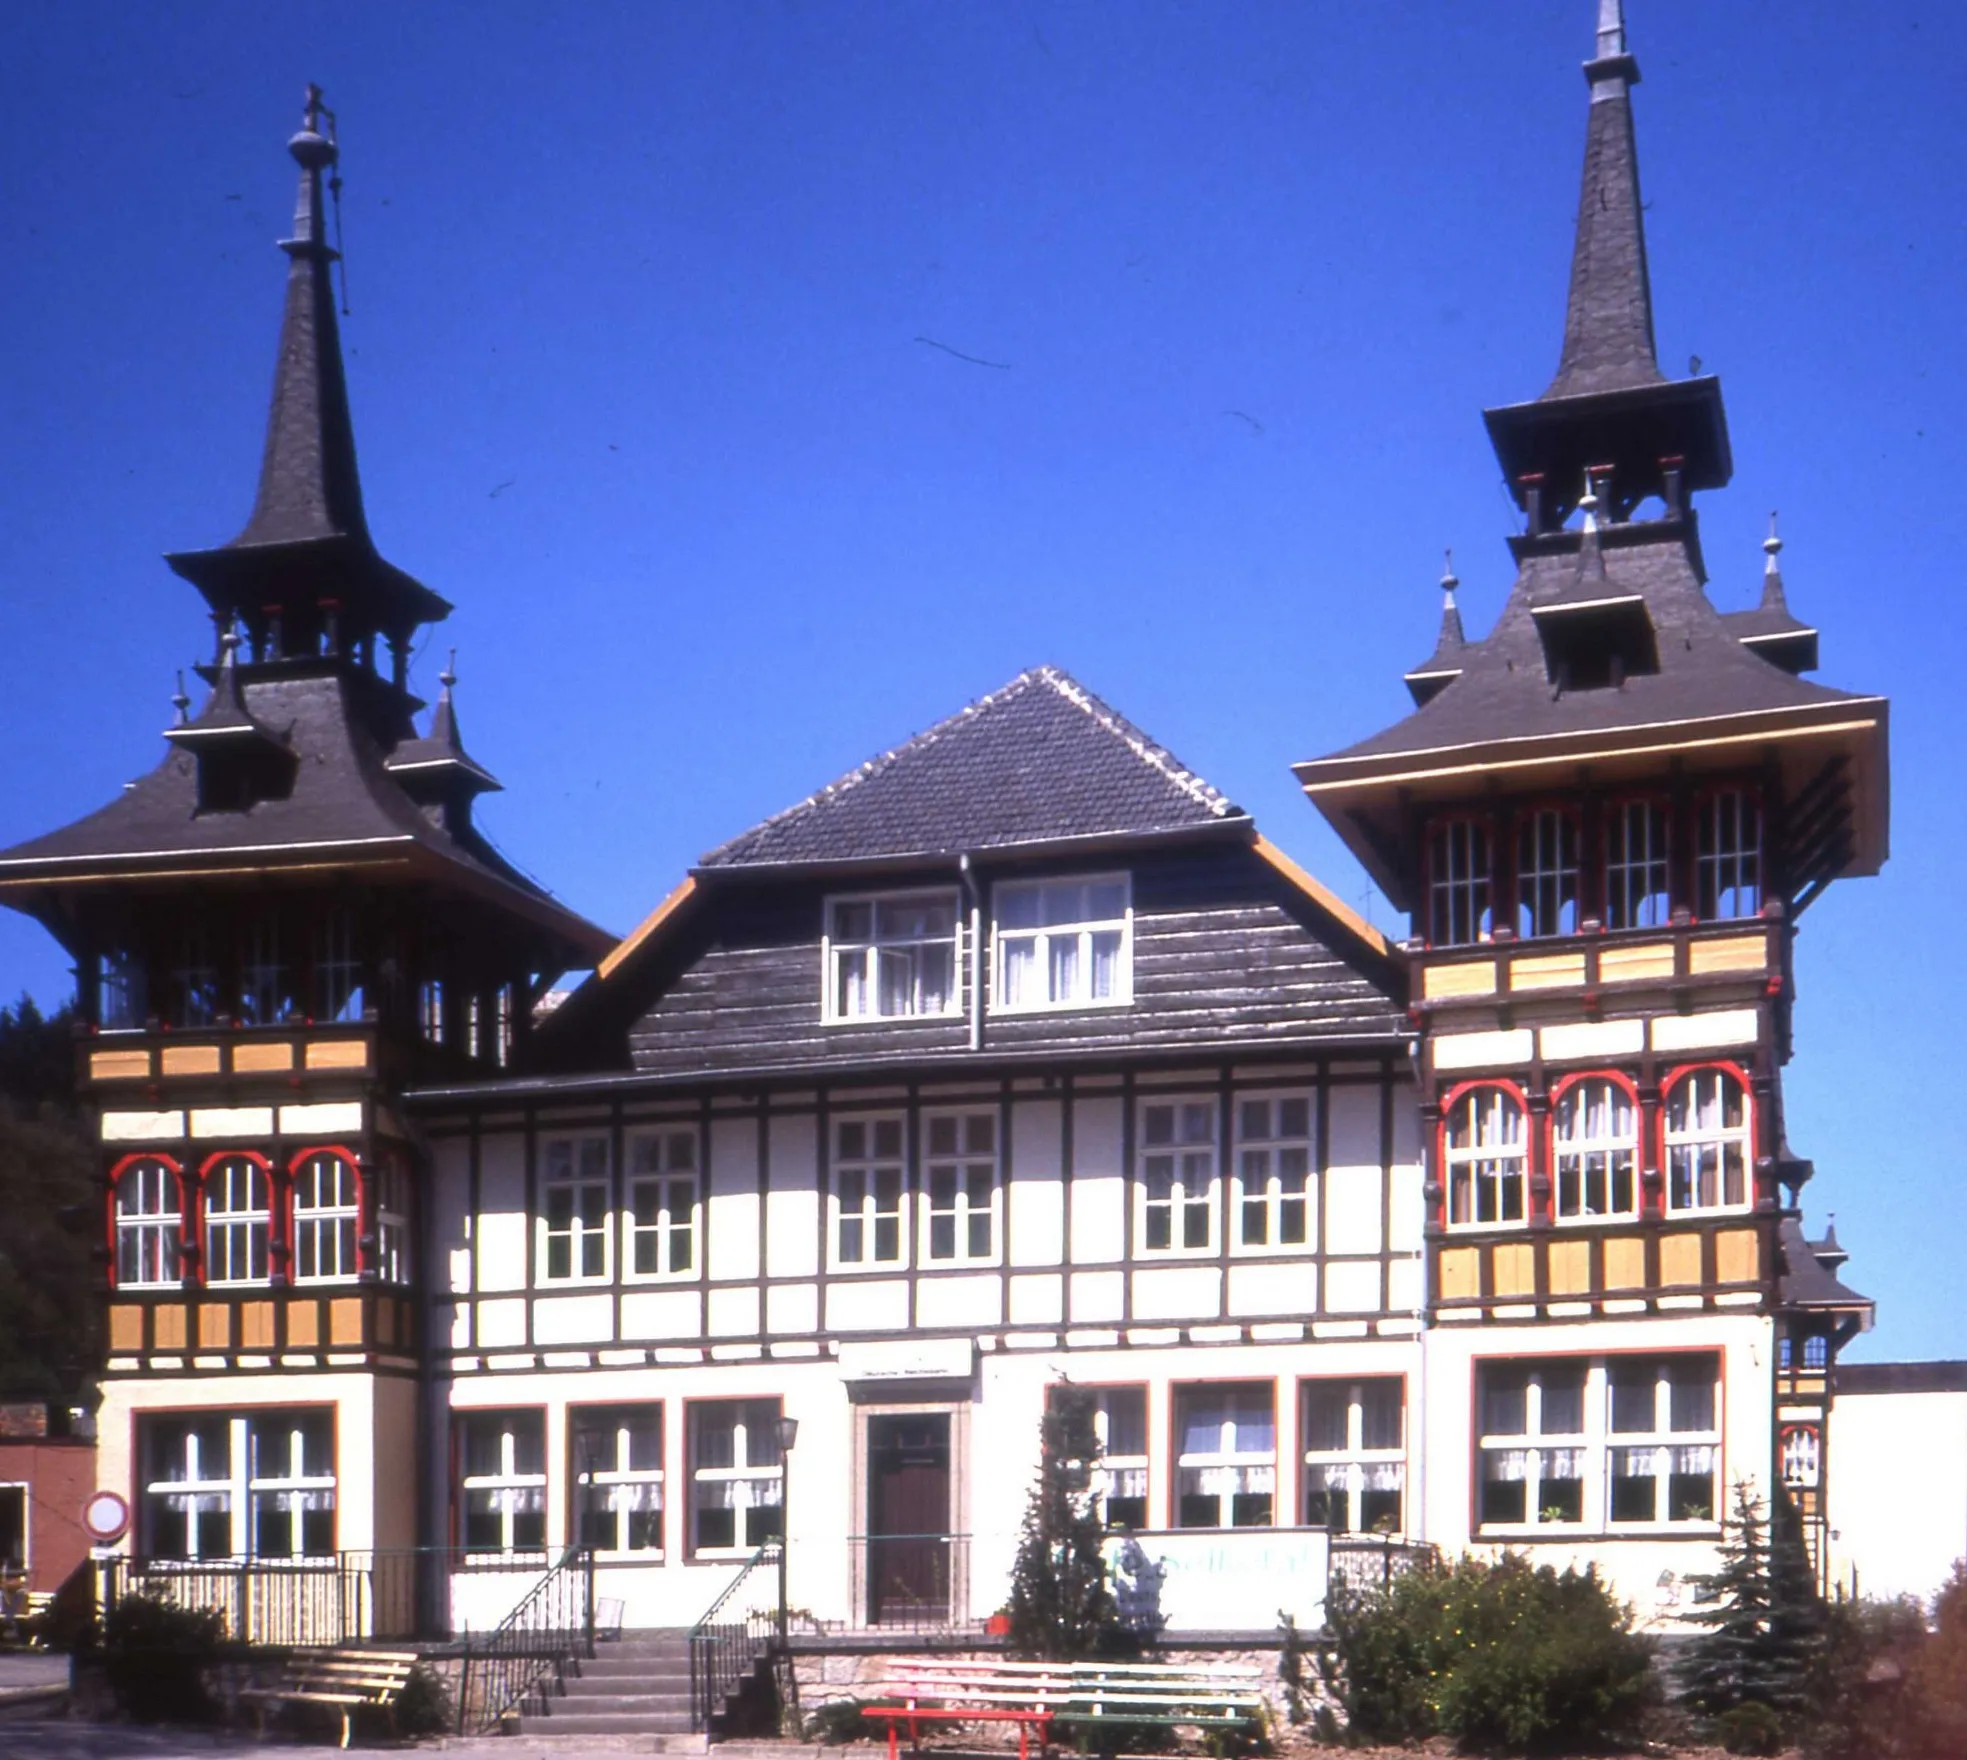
pixel 1224 950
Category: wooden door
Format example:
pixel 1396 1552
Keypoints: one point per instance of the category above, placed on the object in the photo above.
pixel 909 1546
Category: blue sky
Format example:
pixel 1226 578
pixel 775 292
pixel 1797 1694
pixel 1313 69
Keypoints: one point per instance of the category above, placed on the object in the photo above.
pixel 658 313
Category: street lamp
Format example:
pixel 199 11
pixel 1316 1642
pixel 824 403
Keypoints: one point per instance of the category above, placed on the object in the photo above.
pixel 788 1435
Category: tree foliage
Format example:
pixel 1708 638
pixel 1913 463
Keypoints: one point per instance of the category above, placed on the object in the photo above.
pixel 1762 1619
pixel 1061 1605
pixel 49 1326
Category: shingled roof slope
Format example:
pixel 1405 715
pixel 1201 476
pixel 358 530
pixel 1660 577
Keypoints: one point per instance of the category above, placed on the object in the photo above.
pixel 1806 1282
pixel 1041 760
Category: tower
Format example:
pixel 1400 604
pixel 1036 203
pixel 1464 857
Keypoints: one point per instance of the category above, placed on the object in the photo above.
pixel 276 931
pixel 1606 817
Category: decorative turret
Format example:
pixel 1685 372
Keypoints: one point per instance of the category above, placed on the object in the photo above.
pixel 1444 665
pixel 1770 629
pixel 436 771
pixel 304 577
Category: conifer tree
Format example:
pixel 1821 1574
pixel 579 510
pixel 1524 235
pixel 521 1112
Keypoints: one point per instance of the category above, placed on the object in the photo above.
pixel 1061 1605
pixel 1761 1613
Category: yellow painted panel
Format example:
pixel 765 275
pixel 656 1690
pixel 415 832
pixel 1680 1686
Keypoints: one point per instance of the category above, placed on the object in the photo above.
pixel 1649 959
pixel 345 1320
pixel 190 1060
pixel 125 1328
pixel 385 1323
pixel 1546 971
pixel 1738 953
pixel 1625 1262
pixel 1461 1272
pixel 1513 1269
pixel 251 1059
pixel 1570 1267
pixel 118 1066
pixel 1680 1258
pixel 256 1326
pixel 303 1325
pixel 214 1326
pixel 167 1327
pixel 338 1054
pixel 1469 977
pixel 1737 1256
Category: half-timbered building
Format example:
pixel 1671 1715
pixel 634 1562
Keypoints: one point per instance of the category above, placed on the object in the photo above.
pixel 1016 1057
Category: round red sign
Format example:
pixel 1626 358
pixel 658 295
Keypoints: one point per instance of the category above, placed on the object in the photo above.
pixel 106 1516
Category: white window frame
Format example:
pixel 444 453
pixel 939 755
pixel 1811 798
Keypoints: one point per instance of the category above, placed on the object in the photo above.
pixel 235 1484
pixel 1694 1152
pixel 1461 882
pixel 233 1230
pixel 740 1487
pixel 664 1208
pixel 151 1231
pixel 266 990
pixel 960 1165
pixel 390 1197
pixel 1593 1156
pixel 335 1224
pixel 288 1479
pixel 579 1164
pixel 630 1490
pixel 1486 1157
pixel 1352 1470
pixel 1176 1165
pixel 25 1562
pixel 1548 886
pixel 834 949
pixel 1080 933
pixel 1268 1185
pixel 1121 1475
pixel 338 991
pixel 195 999
pixel 1728 856
pixel 1227 1471
pixel 515 1493
pixel 1638 864
pixel 1600 1454
pixel 855 1211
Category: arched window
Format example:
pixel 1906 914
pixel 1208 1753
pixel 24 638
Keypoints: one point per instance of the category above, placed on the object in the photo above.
pixel 1728 855
pixel 1707 1142
pixel 149 1224
pixel 238 1219
pixel 1802 1452
pixel 1458 883
pixel 1546 873
pixel 1636 866
pixel 1483 1147
pixel 1595 1149
pixel 327 1209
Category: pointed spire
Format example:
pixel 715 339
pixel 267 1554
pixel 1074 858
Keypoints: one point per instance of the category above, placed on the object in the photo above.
pixel 1773 598
pixel 444 718
pixel 1444 665
pixel 436 770
pixel 1451 615
pixel 181 702
pixel 1608 323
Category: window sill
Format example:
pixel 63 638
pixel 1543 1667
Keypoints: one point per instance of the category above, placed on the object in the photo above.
pixel 946 1017
pixel 1090 1005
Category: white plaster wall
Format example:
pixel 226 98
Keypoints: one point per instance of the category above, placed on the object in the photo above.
pixel 733 1218
pixel 1036 1228
pixel 792 1221
pixel 502 1219
pixel 1098 1191
pixel 1897 1478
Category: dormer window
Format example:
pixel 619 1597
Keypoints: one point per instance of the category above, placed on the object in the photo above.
pixel 1546 872
pixel 891 957
pixel 1064 943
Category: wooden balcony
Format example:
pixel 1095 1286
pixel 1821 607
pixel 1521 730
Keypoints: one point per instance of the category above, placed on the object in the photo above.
pixel 114 1061
pixel 1630 961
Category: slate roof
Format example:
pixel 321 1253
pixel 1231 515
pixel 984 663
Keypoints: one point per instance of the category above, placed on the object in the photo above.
pixel 1040 761
pixel 1806 1282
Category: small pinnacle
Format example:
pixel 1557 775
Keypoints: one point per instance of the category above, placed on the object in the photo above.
pixel 1772 546
pixel 449 676
pixel 1588 504
pixel 229 641
pixel 1449 580
pixel 180 701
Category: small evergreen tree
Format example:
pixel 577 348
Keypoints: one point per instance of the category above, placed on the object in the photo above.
pixel 1061 1605
pixel 1761 1615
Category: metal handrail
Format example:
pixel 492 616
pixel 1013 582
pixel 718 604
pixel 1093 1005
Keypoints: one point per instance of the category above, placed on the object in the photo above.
pixel 724 1651
pixel 551 1627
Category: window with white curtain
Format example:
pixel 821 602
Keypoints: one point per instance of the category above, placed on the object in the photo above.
pixel 661 1221
pixel 1226 1455
pixel 737 1476
pixel 1707 1142
pixel 1595 1151
pixel 502 1481
pixel 617 1469
pixel 1599 1445
pixel 1276 1195
pixel 238 1220
pixel 1355 1452
pixel 326 1211
pixel 1178 1176
pixel 892 957
pixel 1063 943
pixel 149 1225
pixel 1483 1144
pixel 237 1484
pixel 291 1481
pixel 574 1209
pixel 1120 1480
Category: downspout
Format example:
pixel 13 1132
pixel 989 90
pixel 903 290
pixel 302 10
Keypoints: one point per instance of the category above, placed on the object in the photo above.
pixel 964 868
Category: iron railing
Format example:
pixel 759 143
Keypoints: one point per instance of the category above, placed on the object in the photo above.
pixel 1371 1561
pixel 911 1582
pixel 727 1642
pixel 530 1652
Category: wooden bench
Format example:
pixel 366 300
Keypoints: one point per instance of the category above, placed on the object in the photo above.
pixel 343 1679
pixel 1036 1695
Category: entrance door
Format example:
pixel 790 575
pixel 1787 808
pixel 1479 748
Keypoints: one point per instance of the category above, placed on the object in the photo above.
pixel 909 1546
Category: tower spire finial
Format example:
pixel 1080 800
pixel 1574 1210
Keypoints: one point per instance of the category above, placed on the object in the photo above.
pixel 1773 596
pixel 1611 29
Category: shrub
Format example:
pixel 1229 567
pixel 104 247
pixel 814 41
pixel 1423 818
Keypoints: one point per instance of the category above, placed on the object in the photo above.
pixel 838 1722
pixel 1060 1604
pixel 1936 1681
pixel 1496 1654
pixel 156 1658
pixel 1750 1728
pixel 1760 1614
pixel 424 1706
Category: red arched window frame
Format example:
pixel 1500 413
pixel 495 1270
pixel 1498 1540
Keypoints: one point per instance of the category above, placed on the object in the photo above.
pixel 1481 925
pixel 1610 815
pixel 353 1162
pixel 176 1170
pixel 1751 1124
pixel 201 1214
pixel 1619 1080
pixel 1703 799
pixel 1454 1097
pixel 1522 815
